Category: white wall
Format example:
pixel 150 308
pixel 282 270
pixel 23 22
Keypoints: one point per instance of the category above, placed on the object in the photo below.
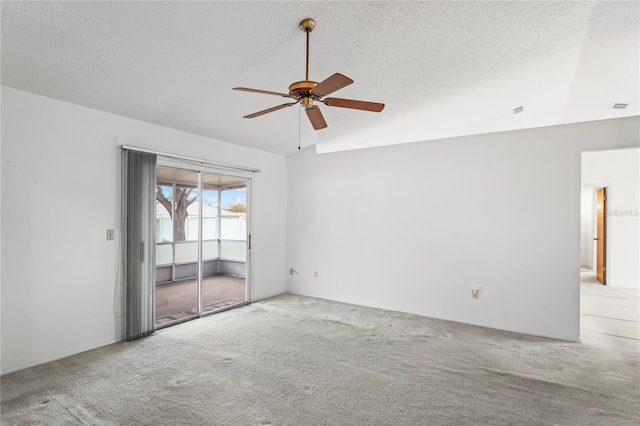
pixel 60 165
pixel 619 171
pixel 500 211
pixel 587 225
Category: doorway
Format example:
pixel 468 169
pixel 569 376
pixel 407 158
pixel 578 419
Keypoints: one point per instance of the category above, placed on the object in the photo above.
pixel 593 233
pixel 601 235
pixel 202 237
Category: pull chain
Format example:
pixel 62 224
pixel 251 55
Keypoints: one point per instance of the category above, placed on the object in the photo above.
pixel 299 120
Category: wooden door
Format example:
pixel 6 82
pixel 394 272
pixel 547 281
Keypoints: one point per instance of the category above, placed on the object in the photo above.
pixel 601 235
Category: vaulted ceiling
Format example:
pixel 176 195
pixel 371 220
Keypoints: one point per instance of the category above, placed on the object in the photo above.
pixel 443 69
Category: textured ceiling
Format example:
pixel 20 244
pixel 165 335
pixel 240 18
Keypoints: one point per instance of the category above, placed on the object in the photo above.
pixel 443 68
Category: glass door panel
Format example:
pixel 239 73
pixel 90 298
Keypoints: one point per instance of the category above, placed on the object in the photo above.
pixel 177 222
pixel 225 285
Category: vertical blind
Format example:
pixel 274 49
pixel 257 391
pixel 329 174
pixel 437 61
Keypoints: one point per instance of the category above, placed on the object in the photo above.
pixel 139 181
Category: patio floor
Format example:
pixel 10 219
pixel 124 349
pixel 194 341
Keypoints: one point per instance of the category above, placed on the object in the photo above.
pixel 178 299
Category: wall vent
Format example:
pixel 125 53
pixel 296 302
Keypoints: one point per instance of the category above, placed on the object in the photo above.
pixel 618 106
pixel 518 110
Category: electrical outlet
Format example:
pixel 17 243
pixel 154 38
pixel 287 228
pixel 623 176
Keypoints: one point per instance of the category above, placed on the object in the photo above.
pixel 110 234
pixel 315 274
pixel 475 292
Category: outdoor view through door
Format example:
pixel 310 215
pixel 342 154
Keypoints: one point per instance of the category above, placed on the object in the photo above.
pixel 201 243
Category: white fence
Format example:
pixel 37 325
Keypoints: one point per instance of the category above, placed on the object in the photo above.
pixel 232 244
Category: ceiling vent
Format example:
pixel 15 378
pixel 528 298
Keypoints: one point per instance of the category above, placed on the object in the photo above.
pixel 518 110
pixel 618 106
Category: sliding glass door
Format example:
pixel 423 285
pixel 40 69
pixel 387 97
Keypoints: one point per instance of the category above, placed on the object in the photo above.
pixel 201 243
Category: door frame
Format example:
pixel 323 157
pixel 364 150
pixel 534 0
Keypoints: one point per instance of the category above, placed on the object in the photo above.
pixel 607 246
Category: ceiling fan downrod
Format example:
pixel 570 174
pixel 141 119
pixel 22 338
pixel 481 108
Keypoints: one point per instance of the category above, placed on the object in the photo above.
pixel 303 87
pixel 307 25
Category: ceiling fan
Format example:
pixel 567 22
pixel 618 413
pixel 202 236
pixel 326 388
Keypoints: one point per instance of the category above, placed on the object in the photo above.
pixel 306 92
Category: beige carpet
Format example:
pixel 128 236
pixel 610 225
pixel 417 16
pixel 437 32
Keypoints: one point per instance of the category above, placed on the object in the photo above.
pixel 301 361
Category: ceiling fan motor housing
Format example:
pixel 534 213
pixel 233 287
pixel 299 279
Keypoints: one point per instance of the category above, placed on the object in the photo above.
pixel 302 90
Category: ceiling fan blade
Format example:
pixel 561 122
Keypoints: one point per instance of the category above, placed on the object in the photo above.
pixel 268 110
pixel 350 103
pixel 265 92
pixel 331 84
pixel 316 118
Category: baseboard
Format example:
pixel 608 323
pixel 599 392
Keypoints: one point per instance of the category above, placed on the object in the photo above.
pixel 522 332
pixel 57 357
pixel 257 299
